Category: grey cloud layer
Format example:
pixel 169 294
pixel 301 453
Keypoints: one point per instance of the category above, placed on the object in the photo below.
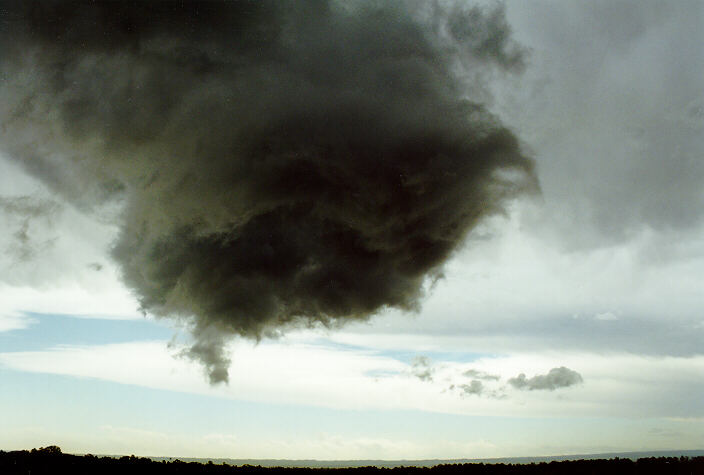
pixel 613 96
pixel 280 163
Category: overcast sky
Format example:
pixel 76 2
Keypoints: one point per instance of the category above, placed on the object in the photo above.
pixel 568 322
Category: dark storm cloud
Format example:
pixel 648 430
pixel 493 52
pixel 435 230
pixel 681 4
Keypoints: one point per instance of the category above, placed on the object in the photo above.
pixel 556 378
pixel 280 163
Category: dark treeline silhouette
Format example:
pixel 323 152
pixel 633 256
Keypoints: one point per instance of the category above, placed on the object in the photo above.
pixel 50 460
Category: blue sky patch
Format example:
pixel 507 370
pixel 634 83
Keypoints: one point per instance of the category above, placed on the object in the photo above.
pixel 49 330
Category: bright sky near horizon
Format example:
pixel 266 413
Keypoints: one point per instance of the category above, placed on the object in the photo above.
pixel 572 323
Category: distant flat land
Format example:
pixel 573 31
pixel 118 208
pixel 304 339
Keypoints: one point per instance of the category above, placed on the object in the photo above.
pixel 51 460
pixel 433 462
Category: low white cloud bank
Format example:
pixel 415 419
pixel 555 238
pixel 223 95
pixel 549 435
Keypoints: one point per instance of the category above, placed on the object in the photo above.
pixel 313 375
pixel 90 301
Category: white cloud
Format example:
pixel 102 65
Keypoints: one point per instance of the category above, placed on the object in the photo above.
pixel 279 372
pixel 606 316
pixel 14 321
pixel 98 300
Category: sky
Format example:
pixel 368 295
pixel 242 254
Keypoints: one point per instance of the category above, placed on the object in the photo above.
pixel 207 251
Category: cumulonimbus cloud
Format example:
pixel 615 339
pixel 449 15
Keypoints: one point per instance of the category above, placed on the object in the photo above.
pixel 279 163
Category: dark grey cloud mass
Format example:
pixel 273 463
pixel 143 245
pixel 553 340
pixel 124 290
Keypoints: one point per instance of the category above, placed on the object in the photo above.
pixel 556 378
pixel 279 163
